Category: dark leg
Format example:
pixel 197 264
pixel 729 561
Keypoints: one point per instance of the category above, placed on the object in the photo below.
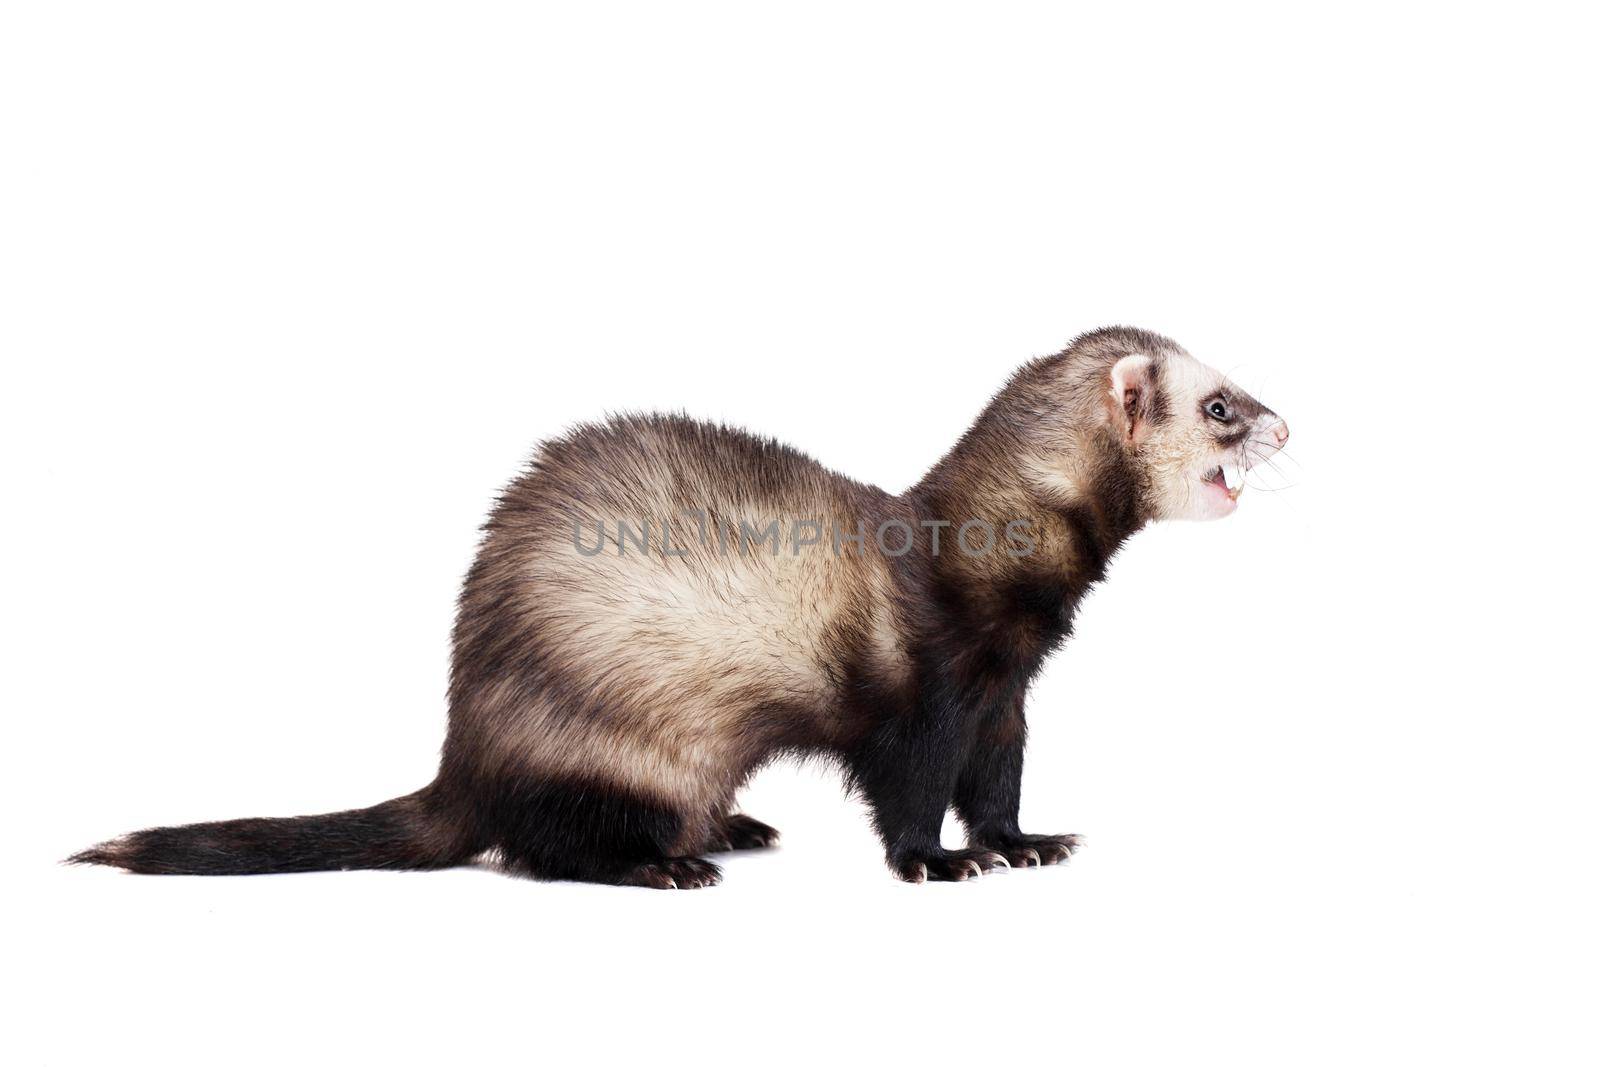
pixel 989 791
pixel 907 771
pixel 734 833
pixel 589 833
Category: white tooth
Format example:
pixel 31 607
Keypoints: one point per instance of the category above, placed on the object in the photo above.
pixel 1231 476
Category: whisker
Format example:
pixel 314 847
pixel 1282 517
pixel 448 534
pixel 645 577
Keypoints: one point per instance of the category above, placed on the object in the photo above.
pixel 1267 460
pixel 1281 454
pixel 1254 450
pixel 1279 472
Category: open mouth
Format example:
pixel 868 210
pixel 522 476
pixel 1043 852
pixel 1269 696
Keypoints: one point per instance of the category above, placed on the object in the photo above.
pixel 1227 479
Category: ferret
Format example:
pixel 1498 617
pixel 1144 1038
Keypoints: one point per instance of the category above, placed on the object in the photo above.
pixel 661 606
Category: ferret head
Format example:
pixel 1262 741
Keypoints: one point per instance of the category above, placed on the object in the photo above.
pixel 1189 432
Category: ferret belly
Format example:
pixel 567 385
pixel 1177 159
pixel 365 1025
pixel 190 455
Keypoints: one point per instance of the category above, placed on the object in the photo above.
pixel 674 676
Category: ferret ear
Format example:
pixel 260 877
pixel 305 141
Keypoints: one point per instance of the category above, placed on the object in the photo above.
pixel 1132 395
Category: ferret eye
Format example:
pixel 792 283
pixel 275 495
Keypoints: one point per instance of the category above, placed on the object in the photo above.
pixel 1217 409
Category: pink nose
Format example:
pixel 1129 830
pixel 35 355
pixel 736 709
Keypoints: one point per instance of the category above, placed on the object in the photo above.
pixel 1280 432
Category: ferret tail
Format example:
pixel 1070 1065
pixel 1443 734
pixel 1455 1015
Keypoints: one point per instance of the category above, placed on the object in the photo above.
pixel 409 833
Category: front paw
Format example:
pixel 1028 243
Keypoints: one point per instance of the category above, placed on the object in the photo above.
pixel 1035 850
pixel 947 864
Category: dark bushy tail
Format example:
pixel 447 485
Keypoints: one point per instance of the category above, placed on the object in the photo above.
pixel 408 833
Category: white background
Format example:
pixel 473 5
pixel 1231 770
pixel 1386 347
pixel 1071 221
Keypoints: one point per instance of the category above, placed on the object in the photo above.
pixel 290 290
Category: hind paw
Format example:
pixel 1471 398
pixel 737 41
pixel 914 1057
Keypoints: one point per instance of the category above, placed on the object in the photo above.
pixel 738 832
pixel 675 874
